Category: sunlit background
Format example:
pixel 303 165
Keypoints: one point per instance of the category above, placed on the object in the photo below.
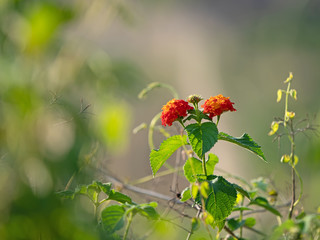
pixel 71 72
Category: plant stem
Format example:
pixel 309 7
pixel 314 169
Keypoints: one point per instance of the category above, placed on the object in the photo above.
pixel 151 128
pixel 204 168
pixel 293 174
pixel 228 230
pixel 241 217
pixel 301 187
pixel 129 219
pixel 293 198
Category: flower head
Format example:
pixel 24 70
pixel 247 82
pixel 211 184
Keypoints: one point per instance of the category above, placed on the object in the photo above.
pixel 215 106
pixel 173 110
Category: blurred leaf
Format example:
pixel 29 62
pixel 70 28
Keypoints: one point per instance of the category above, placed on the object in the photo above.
pixel 234 224
pixel 167 148
pixel 195 224
pixel 44 20
pixel 66 194
pixel 148 210
pixel 119 197
pixel 260 183
pixel 185 194
pixel 241 190
pixel 113 126
pixel 194 190
pixel 204 189
pixel 262 202
pixel 250 222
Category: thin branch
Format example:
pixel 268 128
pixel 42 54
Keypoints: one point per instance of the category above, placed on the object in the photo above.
pixel 228 230
pixel 140 190
pixel 255 230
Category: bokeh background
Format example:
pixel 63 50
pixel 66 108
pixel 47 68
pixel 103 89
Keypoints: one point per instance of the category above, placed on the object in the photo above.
pixel 71 71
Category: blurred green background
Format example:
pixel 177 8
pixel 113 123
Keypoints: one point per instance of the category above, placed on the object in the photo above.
pixel 70 73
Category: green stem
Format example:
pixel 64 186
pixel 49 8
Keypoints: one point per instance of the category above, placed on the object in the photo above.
pixel 159 174
pixel 171 89
pixel 293 172
pixel 218 119
pixel 129 220
pixel 241 217
pixel 95 211
pixel 151 128
pixel 204 168
pixel 301 187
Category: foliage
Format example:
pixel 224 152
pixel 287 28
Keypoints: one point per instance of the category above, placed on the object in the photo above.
pixel 51 139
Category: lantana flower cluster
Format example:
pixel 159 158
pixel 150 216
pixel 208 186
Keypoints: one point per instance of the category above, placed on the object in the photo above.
pixel 178 109
pixel 173 110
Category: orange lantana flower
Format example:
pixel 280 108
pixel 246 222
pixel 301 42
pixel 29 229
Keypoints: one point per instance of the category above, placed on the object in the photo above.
pixel 215 106
pixel 173 110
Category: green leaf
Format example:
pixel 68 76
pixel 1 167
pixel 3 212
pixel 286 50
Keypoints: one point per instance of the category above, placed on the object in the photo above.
pixel 244 141
pixel 185 195
pixel 149 212
pixel 197 115
pixel 194 190
pixel 193 168
pixel 202 137
pixel 167 148
pixel 260 183
pixel 119 197
pixel 250 222
pixel 66 194
pixel 220 225
pixel 144 209
pixel 262 202
pixel 195 224
pixel 112 218
pixel 221 200
pixel 241 190
pixel 283 228
pixel 104 187
pixel 205 189
pixel 234 224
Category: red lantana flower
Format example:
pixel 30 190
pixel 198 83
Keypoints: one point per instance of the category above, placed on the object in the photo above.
pixel 173 110
pixel 215 106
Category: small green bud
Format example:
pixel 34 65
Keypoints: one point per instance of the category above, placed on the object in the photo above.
pixel 285 158
pixel 274 128
pixel 291 115
pixel 194 99
pixel 289 78
pixel 204 189
pixel 194 190
pixel 279 95
pixel 293 94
